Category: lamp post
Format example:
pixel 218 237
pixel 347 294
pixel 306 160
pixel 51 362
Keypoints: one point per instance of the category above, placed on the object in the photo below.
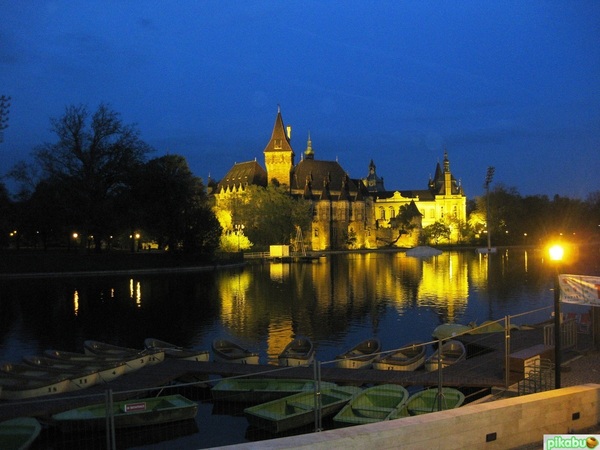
pixel 489 176
pixel 556 255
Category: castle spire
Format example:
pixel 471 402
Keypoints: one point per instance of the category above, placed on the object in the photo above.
pixel 279 156
pixel 309 153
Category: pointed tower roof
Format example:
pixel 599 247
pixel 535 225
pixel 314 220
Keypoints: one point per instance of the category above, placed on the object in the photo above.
pixel 280 142
pixel 325 194
pixel 345 190
pixel 308 188
pixel 309 152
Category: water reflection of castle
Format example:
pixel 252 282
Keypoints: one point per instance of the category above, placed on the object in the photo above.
pixel 340 290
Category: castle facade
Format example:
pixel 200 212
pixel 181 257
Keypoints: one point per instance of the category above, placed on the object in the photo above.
pixel 347 212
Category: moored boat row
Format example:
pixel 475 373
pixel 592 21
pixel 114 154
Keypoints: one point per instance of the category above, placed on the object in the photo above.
pixel 58 371
pixel 349 406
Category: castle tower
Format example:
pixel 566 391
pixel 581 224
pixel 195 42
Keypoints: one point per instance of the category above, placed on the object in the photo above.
pixel 279 156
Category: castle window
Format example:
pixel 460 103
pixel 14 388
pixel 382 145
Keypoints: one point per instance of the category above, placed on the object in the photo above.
pixel 381 213
pixel 277 144
pixel 392 212
pixel 455 211
pixel 442 212
pixel 432 213
pixel 316 232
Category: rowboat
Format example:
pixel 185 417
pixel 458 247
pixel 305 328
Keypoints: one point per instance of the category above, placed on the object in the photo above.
pixel 451 352
pixel 107 370
pixel 429 400
pixel 128 413
pixel 423 251
pixel 448 330
pixel 228 351
pixel 361 355
pixel 299 352
pixel 408 358
pixel 79 379
pixel 261 390
pixel 132 362
pixel 20 388
pixel 144 357
pixel 19 433
pixel 374 404
pixel 174 351
pixel 298 410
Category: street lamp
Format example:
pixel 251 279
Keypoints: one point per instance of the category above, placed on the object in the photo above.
pixel 489 176
pixel 556 254
pixel 239 229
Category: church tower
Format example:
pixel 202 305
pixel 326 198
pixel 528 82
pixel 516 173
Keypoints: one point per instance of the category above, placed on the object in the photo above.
pixel 279 156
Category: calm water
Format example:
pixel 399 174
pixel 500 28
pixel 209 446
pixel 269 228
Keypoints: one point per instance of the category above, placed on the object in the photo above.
pixel 336 301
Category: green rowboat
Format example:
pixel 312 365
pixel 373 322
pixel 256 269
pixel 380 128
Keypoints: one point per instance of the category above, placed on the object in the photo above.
pixel 374 404
pixel 128 413
pixel 261 390
pixel 19 433
pixel 298 410
pixel 427 401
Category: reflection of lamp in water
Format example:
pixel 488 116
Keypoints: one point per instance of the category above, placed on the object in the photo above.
pixel 556 254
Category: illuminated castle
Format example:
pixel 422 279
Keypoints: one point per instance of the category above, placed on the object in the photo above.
pixel 344 207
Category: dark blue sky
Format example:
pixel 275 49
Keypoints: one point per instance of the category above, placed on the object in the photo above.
pixel 510 84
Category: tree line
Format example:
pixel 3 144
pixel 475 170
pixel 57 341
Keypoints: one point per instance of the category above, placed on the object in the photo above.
pixel 95 187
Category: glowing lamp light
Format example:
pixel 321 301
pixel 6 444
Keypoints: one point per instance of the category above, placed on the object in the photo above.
pixel 556 252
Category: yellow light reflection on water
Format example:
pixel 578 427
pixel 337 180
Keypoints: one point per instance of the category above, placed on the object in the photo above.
pixel 279 271
pixel 280 334
pixel 236 312
pixel 76 302
pixel 135 292
pixel 445 284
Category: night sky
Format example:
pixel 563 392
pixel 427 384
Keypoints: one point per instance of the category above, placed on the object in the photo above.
pixel 510 84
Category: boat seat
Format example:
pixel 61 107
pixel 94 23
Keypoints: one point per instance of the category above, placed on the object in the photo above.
pixel 298 405
pixel 372 409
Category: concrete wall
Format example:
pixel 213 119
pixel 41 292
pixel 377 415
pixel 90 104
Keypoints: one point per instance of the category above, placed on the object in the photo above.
pixel 501 424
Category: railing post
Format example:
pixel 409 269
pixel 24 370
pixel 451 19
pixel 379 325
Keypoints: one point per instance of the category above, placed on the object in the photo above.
pixel 440 388
pixel 111 443
pixel 507 351
pixel 318 412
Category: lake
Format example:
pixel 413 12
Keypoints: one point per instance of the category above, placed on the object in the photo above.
pixel 337 301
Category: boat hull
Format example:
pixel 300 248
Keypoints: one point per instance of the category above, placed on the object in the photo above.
pixel 107 371
pixel 13 388
pixel 78 378
pixel 406 359
pixel 176 352
pixel 299 352
pixel 374 404
pixel 261 390
pixel 427 401
pixel 451 352
pixel 227 351
pixel 131 363
pixel 127 414
pixel 298 410
pixel 360 356
pixel 135 359
pixel 19 433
